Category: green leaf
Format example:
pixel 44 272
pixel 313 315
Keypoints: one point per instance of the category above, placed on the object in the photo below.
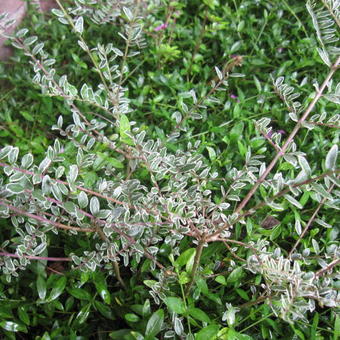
pixel 121 334
pixel 90 179
pixel 242 293
pixel 146 308
pixel 83 313
pixel 23 316
pixel 249 226
pixel 208 332
pixel 175 305
pixel 13 326
pixel 236 132
pixel 124 130
pixel 46 336
pixel 104 310
pixel 183 278
pixel 185 257
pixel 221 279
pixel 109 159
pixel 41 287
pixel 198 314
pixel 101 287
pixel 154 325
pixel 80 293
pixel 337 327
pixel 235 275
pixel 313 332
pixel 131 317
pixel 58 289
pixel 233 335
pixel 211 152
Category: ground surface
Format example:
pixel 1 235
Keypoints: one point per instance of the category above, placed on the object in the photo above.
pixel 16 9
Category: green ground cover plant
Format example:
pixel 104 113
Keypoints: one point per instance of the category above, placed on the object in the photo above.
pixel 188 188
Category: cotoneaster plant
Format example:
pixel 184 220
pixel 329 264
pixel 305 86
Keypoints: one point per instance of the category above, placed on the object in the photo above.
pixel 105 180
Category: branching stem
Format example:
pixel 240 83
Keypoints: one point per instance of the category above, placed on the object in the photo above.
pixel 196 264
pixel 290 138
pixel 310 221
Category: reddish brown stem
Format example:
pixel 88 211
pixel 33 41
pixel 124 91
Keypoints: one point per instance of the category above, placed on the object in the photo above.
pixel 310 221
pixel 41 258
pixel 327 268
pixel 45 220
pixel 290 138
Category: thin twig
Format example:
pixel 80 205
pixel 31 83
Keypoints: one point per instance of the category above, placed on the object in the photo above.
pixel 215 236
pixel 229 66
pixel 290 138
pixel 327 268
pixel 310 221
pixel 45 220
pixel 253 303
pixel 232 252
pixel 41 258
pixel 115 263
pixel 325 124
pixel 196 264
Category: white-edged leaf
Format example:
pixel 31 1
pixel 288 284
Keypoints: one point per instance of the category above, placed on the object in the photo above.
pixel 304 165
pixel 5 151
pixel 279 81
pixel 331 158
pixel 316 246
pixel 219 73
pixel 73 174
pixel 94 206
pixel 56 192
pixel 21 33
pixel 13 155
pixel 63 21
pixel 323 223
pixel 57 12
pixel 30 40
pixel 83 200
pixel 324 56
pixel 335 98
pixel 27 160
pixel 70 207
pixel 15 188
pixel 322 191
pixel 44 164
pixel 40 248
pixel 38 48
pixel 298 227
pixel 128 13
pixel 82 45
pixel 46 185
pixel 293 201
pixel 79 25
pixel 60 122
